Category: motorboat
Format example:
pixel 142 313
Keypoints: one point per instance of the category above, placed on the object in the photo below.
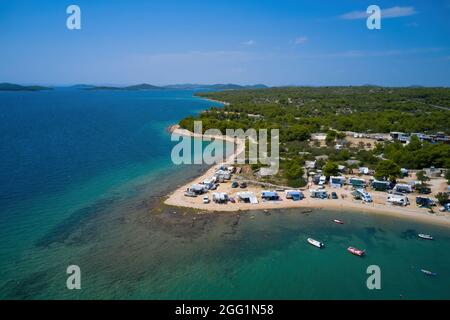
pixel 315 243
pixel 356 252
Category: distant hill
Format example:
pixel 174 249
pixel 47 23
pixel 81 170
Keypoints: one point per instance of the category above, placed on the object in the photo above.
pixel 17 87
pixel 82 86
pixel 138 87
pixel 229 86
pixel 143 86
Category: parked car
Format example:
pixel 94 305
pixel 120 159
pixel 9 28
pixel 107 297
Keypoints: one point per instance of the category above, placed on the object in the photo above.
pixel 334 195
pixel 424 202
pixel 206 200
pixel 235 185
pixel 424 190
pixel 232 200
pixel 243 185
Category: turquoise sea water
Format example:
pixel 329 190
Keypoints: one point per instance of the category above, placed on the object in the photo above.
pixel 82 175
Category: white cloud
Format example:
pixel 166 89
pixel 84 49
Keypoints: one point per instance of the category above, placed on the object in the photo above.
pixel 393 12
pixel 249 43
pixel 366 53
pixel 300 40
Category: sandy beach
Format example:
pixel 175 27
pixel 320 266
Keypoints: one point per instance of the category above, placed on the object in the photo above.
pixel 345 201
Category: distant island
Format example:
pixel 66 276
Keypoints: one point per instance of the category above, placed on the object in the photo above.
pixel 145 86
pixel 229 86
pixel 139 87
pixel 17 87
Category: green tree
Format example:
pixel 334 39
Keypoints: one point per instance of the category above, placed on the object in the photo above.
pixel 294 173
pixel 422 177
pixel 330 169
pixel 442 198
pixel 387 169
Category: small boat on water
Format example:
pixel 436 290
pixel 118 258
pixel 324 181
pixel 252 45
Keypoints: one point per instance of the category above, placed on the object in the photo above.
pixel 356 252
pixel 429 273
pixel 338 221
pixel 316 243
pixel 425 236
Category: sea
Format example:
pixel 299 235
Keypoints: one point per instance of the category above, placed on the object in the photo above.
pixel 83 175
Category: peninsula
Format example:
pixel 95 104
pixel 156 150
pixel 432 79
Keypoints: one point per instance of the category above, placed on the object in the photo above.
pixel 361 169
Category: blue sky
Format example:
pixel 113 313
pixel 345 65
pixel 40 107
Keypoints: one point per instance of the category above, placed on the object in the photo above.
pixel 276 42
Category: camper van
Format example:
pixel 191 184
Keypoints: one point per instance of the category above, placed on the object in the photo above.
pixel 357 182
pixel 247 197
pixel 220 197
pixel 322 180
pixel 295 195
pixel 270 196
pixel 360 194
pixel 403 188
pixel 380 185
pixel 398 199
pixel 318 194
pixel 337 182
pixel 198 189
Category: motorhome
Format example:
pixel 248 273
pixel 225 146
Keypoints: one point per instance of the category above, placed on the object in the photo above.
pixel 337 182
pixel 210 183
pixel 400 136
pixel 295 195
pixel 398 199
pixel 322 180
pixel 270 196
pixel 318 194
pixel 403 188
pixel 404 172
pixel 380 185
pixel 223 174
pixel 247 197
pixel 220 197
pixel 364 170
pixel 357 182
pixel 360 194
pixel 198 189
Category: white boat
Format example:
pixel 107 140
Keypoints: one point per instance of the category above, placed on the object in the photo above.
pixel 316 243
pixel 429 273
pixel 425 236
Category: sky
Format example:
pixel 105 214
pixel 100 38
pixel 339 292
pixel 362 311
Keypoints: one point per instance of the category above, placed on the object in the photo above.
pixel 274 42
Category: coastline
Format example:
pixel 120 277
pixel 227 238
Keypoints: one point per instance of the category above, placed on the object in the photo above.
pixel 217 101
pixel 177 198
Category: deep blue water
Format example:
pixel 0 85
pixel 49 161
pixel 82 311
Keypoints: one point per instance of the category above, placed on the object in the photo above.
pixel 52 140
pixel 64 151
